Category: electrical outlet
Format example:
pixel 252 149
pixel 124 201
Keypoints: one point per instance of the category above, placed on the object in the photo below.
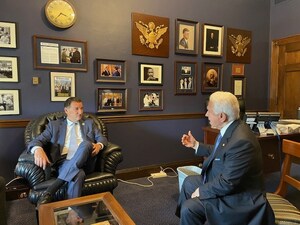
pixel 159 175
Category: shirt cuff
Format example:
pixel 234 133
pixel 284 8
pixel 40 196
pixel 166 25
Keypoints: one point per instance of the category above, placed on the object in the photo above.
pixel 34 148
pixel 196 146
pixel 102 146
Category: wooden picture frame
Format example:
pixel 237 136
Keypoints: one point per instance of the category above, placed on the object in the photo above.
pixel 150 99
pixel 110 71
pixel 150 74
pixel 8 34
pixel 150 35
pixel 9 102
pixel 111 100
pixel 59 54
pixel 212 41
pixel 239 46
pixel 9 69
pixel 186 37
pixel 185 78
pixel 239 86
pixel 62 86
pixel 237 69
pixel 212 74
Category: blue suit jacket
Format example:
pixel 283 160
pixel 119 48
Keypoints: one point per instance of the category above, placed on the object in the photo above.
pixel 52 139
pixel 234 189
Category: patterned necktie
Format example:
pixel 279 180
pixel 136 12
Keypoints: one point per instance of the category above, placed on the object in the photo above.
pixel 73 145
pixel 212 155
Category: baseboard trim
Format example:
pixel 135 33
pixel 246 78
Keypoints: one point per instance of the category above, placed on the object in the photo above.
pixel 145 171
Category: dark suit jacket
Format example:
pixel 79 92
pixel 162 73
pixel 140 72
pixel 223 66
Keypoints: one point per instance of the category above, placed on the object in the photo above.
pixel 55 133
pixel 183 43
pixel 234 188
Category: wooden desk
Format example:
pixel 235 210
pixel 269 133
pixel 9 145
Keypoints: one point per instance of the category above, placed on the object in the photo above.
pixel 270 146
pixel 48 212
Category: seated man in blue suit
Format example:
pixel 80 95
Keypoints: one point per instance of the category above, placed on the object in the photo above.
pixel 75 143
pixel 230 189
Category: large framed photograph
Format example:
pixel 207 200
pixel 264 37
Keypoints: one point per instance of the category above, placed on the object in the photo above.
pixel 150 74
pixel 239 46
pixel 62 86
pixel 150 99
pixel 111 99
pixel 186 37
pixel 59 54
pixel 9 70
pixel 150 35
pixel 110 71
pixel 185 78
pixel 8 34
pixel 212 74
pixel 239 86
pixel 212 42
pixel 9 102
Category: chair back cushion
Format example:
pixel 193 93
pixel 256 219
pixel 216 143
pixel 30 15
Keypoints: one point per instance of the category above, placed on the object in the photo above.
pixel 37 126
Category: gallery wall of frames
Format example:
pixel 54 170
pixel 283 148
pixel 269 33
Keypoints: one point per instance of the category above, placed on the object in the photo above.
pixel 146 67
pixel 197 51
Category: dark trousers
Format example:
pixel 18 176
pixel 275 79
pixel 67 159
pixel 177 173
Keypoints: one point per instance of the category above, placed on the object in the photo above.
pixel 190 210
pixel 73 170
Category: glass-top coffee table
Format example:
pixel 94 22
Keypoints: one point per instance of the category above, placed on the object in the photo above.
pixel 98 209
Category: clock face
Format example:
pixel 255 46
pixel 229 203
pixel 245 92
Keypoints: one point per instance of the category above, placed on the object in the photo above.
pixel 60 13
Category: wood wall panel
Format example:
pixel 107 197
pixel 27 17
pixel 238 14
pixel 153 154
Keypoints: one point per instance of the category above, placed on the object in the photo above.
pixel 117 119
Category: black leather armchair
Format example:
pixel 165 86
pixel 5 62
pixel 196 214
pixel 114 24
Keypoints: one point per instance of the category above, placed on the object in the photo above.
pixel 101 180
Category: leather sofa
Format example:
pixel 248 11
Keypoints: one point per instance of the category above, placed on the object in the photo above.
pixel 103 179
pixel 2 202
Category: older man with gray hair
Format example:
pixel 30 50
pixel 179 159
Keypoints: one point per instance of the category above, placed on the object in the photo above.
pixel 230 189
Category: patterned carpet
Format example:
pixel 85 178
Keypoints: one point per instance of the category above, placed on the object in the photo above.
pixel 146 206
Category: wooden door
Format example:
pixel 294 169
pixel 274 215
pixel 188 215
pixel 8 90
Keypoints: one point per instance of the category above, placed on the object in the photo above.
pixel 285 77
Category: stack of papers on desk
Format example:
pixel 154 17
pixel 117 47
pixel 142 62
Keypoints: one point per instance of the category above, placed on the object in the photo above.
pixel 288 126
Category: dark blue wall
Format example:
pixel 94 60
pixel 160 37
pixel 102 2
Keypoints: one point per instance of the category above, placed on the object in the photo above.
pixel 284 19
pixel 106 26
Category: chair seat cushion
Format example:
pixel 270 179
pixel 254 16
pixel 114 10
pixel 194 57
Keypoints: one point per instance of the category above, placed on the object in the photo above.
pixel 285 212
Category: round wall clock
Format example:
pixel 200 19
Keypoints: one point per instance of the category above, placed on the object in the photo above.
pixel 60 13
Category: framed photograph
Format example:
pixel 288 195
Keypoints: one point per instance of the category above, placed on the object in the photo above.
pixel 150 35
pixel 151 99
pixel 59 54
pixel 9 71
pixel 239 86
pixel 239 45
pixel 9 102
pixel 212 42
pixel 110 71
pixel 237 69
pixel 62 86
pixel 212 74
pixel 185 78
pixel 8 35
pixel 186 37
pixel 111 99
pixel 150 74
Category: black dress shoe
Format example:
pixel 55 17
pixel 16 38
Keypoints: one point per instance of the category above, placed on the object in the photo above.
pixel 45 198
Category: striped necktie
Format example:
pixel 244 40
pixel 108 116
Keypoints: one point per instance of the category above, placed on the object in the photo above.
pixel 73 145
pixel 212 156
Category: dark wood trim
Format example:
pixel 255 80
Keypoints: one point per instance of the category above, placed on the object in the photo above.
pixel 116 119
pixel 145 171
pixel 138 118
pixel 13 123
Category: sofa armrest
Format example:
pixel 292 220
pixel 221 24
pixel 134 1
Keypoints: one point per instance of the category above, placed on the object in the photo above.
pixel 109 158
pixel 26 169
